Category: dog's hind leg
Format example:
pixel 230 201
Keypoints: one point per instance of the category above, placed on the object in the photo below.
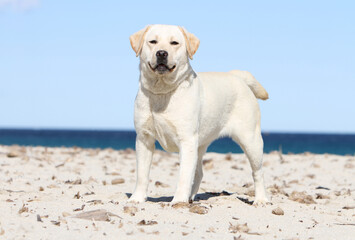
pixel 252 144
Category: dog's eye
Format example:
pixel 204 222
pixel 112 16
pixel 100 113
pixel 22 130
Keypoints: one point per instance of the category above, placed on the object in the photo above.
pixel 174 43
pixel 153 42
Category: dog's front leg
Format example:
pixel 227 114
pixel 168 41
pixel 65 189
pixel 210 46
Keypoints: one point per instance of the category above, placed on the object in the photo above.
pixel 144 154
pixel 188 161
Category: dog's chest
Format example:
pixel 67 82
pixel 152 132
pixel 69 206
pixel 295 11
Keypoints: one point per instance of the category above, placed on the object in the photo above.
pixel 165 132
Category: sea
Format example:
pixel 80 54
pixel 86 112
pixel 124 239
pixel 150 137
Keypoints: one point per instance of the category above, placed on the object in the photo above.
pixel 320 143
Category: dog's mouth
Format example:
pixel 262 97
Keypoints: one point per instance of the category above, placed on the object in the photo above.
pixel 161 68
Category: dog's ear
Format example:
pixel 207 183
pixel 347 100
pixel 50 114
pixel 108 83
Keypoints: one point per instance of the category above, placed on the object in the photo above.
pixel 192 42
pixel 137 40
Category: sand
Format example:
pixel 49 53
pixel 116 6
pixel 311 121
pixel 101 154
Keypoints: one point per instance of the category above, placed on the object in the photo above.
pixel 75 193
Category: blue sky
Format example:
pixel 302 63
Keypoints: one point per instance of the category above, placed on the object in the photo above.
pixel 69 64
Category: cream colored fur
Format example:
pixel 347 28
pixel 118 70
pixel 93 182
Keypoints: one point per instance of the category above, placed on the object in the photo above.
pixel 185 111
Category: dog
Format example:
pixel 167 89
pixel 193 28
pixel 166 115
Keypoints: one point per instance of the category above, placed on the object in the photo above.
pixel 186 111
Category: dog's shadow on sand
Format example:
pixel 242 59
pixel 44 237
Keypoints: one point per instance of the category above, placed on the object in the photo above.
pixel 198 197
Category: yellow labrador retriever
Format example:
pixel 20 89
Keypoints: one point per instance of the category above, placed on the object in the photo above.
pixel 185 111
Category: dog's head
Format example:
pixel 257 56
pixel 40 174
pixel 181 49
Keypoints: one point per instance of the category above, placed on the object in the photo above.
pixel 164 48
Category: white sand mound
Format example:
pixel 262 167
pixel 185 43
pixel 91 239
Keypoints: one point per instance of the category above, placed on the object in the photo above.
pixel 74 193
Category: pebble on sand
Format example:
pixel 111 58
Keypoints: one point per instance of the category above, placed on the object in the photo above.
pixel 117 181
pixel 278 211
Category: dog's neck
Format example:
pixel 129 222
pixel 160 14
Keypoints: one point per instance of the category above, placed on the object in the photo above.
pixel 165 83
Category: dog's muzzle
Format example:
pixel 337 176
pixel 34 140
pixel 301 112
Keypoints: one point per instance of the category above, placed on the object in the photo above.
pixel 162 63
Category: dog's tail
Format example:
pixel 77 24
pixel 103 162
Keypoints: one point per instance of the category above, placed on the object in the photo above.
pixel 258 90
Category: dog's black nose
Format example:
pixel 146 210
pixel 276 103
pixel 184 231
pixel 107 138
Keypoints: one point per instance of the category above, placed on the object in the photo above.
pixel 162 54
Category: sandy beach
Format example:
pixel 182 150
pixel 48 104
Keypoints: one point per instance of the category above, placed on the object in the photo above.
pixel 75 193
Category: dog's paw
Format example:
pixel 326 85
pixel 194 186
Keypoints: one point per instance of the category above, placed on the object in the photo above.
pixel 180 200
pixel 137 198
pixel 261 202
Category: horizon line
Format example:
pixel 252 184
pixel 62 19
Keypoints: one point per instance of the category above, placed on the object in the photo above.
pixel 133 130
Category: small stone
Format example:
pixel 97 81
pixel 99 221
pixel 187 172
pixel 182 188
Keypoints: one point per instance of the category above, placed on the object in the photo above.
pixel 57 223
pixel 144 222
pixel 79 209
pixel 23 209
pixel 39 218
pixel 278 211
pixel 311 176
pixel 94 202
pixel 207 161
pixel 198 209
pixel 236 167
pixel 120 225
pixel 117 181
pixel 241 228
pixel 160 184
pixel 77 196
pixel 128 151
pixel 180 205
pixel 349 207
pixel 228 157
pixel 52 186
pixel 208 166
pixel 301 197
pixel 12 154
pixel 131 210
pixel 322 196
pixel 295 181
pixel 96 215
pixel 65 214
pixel 76 182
